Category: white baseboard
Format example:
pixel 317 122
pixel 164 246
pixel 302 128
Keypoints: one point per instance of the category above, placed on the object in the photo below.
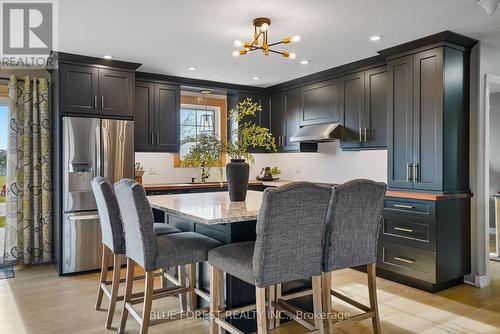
pixel 481 281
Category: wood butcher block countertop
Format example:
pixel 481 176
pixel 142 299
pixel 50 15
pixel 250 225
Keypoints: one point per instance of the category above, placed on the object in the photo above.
pixel 425 196
pixel 209 207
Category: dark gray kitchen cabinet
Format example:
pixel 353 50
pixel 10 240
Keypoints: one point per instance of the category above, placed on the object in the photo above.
pixel 291 112
pixel 320 103
pixel 116 92
pixel 157 120
pixel 95 90
pixel 78 89
pixel 400 122
pixel 352 94
pixel 167 118
pixel 144 125
pixel 374 122
pixel 364 109
pixel 277 118
pixel 427 111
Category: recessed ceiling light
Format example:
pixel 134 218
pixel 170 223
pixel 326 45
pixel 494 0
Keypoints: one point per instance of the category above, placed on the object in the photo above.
pixel 375 38
pixel 191 68
pixel 256 78
pixel 304 61
pixel 107 57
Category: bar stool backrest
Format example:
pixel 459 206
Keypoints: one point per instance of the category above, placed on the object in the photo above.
pixel 290 230
pixel 138 222
pixel 353 224
pixel 109 215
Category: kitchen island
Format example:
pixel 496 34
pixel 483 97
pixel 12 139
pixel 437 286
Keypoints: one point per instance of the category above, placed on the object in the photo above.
pixel 214 215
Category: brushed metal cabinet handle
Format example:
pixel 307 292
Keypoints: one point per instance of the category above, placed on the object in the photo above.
pixel 283 141
pixel 409 173
pixel 157 138
pixel 415 172
pixel 404 206
pixel 152 138
pixel 95 101
pixel 402 259
pixel 403 229
pixel 102 102
pixel 366 136
pixel 360 135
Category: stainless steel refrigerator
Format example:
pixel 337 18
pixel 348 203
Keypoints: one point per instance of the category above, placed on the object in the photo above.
pixel 90 147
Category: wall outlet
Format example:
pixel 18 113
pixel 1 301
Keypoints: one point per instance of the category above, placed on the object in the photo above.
pixel 152 171
pixel 298 170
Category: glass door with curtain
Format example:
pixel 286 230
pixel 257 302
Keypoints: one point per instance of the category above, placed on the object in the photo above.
pixel 4 113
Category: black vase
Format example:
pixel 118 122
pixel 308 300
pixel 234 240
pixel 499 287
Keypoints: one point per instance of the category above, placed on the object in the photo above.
pixel 237 172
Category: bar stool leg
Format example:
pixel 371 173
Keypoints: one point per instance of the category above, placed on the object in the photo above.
pixel 117 263
pixel 326 299
pixel 214 299
pixel 128 294
pixel 148 301
pixel 317 307
pixel 261 310
pixel 104 273
pixel 372 292
pixel 278 312
pixel 182 283
pixel 271 291
pixel 192 286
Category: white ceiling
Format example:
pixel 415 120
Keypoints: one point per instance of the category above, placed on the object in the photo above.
pixel 166 36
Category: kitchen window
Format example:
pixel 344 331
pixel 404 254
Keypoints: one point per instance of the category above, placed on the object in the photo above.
pixel 200 116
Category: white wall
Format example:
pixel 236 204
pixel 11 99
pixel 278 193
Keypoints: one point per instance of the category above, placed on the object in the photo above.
pixel 330 165
pixel 485 59
pixel 494 152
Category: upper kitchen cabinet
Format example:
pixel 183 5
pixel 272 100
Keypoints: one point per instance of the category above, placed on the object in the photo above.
pixel 363 100
pixel 157 115
pixel 427 94
pixel 79 89
pixel 116 91
pixel 93 86
pixel 320 103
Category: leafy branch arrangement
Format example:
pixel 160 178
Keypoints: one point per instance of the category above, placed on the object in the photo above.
pixel 205 154
pixel 247 134
pixel 209 149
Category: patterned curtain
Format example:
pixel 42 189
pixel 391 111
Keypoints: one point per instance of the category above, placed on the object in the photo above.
pixel 28 235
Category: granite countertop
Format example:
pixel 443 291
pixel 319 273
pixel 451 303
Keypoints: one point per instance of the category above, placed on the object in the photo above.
pixel 209 208
pixel 197 185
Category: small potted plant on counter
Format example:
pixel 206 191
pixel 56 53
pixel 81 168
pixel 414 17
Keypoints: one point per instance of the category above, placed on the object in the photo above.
pixel 206 154
pixel 244 135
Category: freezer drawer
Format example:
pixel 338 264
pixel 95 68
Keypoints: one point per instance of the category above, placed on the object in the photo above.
pixel 81 242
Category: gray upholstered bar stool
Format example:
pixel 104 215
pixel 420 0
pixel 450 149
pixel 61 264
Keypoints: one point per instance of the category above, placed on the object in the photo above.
pixel 288 247
pixel 351 240
pixel 113 243
pixel 151 252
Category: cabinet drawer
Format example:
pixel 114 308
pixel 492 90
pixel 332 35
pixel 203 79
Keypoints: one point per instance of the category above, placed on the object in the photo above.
pixel 412 207
pixel 420 235
pixel 408 261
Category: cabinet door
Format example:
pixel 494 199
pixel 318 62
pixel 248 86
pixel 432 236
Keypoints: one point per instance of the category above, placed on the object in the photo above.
pixel 321 103
pixel 167 116
pixel 352 99
pixel 292 111
pixel 374 122
pixel 400 122
pixel 144 116
pixel 78 90
pixel 277 118
pixel 428 120
pixel 116 91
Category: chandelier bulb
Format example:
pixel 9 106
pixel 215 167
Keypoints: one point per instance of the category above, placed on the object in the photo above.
pixel 292 55
pixel 295 39
pixel 235 53
pixel 237 43
pixel 264 27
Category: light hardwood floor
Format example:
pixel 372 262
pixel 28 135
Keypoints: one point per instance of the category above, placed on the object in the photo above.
pixel 38 301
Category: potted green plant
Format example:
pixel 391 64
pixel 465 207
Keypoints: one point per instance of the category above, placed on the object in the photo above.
pixel 244 134
pixel 206 154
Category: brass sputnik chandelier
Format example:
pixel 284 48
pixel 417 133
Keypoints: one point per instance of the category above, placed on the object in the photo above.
pixel 261 26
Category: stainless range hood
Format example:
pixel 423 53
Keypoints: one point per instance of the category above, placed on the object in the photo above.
pixel 317 133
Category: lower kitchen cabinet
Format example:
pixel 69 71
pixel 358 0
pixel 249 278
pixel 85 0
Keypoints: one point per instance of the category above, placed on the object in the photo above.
pixel 425 244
